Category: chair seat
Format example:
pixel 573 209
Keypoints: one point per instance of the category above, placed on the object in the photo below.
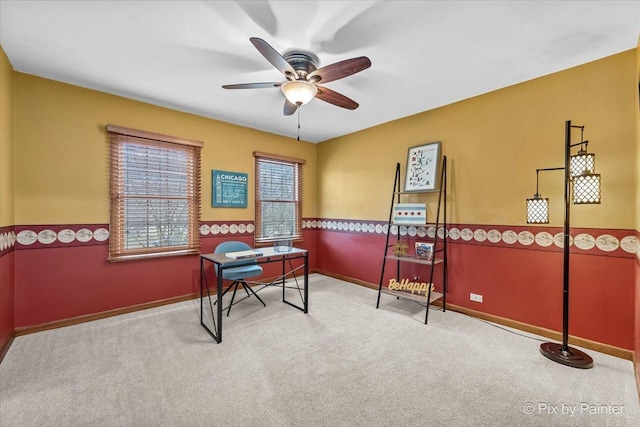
pixel 237 273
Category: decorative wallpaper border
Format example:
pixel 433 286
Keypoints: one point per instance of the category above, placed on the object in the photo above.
pixel 53 236
pixel 48 236
pixel 612 242
pixel 215 228
pixel 7 240
pixel 638 248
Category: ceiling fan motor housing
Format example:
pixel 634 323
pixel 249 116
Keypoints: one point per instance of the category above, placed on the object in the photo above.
pixel 304 62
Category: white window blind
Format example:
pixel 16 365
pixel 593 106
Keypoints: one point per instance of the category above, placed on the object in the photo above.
pixel 278 198
pixel 155 195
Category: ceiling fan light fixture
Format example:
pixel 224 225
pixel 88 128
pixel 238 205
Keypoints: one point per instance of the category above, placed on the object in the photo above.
pixel 299 92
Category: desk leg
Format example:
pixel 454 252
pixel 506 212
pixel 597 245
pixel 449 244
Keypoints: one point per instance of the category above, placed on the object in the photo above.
pixel 204 284
pixel 284 279
pixel 219 299
pixel 306 282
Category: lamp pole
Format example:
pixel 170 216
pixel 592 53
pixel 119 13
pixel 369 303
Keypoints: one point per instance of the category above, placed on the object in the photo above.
pixel 562 353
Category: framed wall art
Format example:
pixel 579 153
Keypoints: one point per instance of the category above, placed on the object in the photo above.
pixel 228 189
pixel 423 162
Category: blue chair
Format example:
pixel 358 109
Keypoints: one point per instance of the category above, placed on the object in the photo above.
pixel 245 268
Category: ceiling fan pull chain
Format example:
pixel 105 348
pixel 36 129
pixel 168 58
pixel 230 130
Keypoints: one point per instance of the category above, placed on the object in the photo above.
pixel 298 123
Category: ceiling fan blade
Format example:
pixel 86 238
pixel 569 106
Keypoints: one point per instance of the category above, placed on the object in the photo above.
pixel 252 85
pixel 339 70
pixel 289 107
pixel 274 58
pixel 335 98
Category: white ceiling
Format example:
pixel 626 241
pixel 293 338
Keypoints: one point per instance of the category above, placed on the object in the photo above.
pixel 424 54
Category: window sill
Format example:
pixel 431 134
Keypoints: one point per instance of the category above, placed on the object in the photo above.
pixel 137 257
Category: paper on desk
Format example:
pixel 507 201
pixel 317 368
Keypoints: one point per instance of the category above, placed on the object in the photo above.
pixel 252 253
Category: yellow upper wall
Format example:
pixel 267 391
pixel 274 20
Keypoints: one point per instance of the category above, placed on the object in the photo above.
pixel 62 157
pixel 637 153
pixel 6 142
pixel 494 143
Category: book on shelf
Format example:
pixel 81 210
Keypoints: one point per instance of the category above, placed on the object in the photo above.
pixel 424 250
pixel 252 253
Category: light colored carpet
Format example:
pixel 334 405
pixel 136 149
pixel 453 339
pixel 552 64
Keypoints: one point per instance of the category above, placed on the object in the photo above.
pixel 343 364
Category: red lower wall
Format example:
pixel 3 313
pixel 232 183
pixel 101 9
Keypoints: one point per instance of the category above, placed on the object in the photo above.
pixel 7 280
pixel 60 283
pixel 637 316
pixel 526 285
pixel 522 283
pixel 356 256
pixel 56 283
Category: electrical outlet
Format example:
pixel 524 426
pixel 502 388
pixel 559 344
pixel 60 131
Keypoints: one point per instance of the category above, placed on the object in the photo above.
pixel 475 297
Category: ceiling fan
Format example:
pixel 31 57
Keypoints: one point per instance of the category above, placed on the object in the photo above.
pixel 300 67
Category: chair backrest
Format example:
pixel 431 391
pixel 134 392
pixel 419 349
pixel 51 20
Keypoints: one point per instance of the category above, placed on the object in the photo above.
pixel 234 246
pixel 231 246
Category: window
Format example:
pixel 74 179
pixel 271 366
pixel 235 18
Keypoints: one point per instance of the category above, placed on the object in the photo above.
pixel 155 195
pixel 278 198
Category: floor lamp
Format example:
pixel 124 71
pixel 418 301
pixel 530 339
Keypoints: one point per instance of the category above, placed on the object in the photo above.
pixel 585 185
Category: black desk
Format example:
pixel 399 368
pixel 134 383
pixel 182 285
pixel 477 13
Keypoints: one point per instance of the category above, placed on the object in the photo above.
pixel 269 255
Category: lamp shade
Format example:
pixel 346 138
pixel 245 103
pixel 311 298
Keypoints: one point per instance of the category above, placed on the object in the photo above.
pixel 538 210
pixel 582 162
pixel 586 189
pixel 299 92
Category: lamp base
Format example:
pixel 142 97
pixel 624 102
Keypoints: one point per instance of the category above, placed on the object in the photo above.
pixel 566 355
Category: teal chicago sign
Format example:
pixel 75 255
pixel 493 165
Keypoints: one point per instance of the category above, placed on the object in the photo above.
pixel 229 189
